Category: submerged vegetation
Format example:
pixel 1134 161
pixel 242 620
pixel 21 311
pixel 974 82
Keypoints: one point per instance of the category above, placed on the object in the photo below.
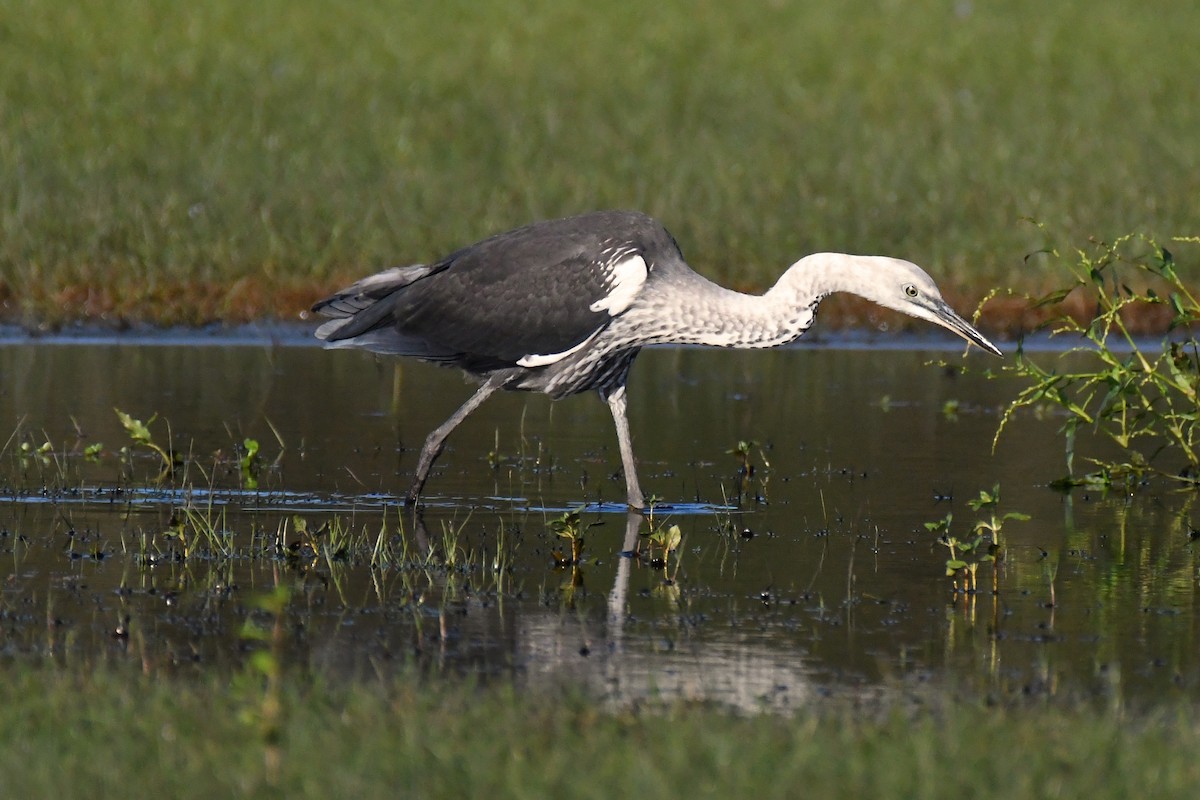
pixel 228 160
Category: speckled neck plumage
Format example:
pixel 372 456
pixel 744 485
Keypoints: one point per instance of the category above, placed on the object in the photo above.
pixel 704 313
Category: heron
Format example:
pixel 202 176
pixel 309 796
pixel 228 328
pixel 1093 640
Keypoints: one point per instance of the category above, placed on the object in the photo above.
pixel 564 306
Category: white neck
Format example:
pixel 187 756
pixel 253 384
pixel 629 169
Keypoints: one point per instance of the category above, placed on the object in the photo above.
pixel 705 313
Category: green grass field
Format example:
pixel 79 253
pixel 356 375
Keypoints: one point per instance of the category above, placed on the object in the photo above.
pixel 119 735
pixel 226 160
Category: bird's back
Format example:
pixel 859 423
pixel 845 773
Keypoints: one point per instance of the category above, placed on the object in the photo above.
pixel 540 289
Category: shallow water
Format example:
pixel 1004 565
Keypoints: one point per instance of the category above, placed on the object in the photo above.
pixel 813 576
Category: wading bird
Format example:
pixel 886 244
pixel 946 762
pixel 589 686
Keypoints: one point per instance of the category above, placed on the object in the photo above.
pixel 564 306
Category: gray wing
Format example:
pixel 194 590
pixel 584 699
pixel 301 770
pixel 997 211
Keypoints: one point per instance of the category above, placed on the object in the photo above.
pixel 535 291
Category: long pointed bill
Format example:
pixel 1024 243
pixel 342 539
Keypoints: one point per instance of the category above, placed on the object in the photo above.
pixel 947 317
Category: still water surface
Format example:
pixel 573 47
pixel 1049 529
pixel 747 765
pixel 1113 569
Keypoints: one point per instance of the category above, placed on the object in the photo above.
pixel 815 575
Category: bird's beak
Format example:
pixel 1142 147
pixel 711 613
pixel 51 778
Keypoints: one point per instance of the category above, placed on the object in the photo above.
pixel 947 317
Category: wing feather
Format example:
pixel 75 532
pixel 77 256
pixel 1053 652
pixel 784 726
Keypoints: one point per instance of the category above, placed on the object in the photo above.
pixel 528 297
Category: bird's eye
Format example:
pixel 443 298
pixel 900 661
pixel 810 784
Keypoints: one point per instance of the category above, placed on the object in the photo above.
pixel 910 290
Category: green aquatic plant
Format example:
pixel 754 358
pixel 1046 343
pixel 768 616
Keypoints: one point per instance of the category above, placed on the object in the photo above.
pixel 1141 396
pixel 139 432
pixel 742 451
pixel 28 449
pixel 495 458
pixel 983 545
pixel 665 540
pixel 661 541
pixel 249 463
pixel 570 526
pixel 455 554
pixel 669 540
pixel 963 563
pixel 331 542
pixel 501 561
pixel 37 455
pixel 992 526
pixel 200 530
pixel 747 468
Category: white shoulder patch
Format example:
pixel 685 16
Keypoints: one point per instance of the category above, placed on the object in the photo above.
pixel 624 280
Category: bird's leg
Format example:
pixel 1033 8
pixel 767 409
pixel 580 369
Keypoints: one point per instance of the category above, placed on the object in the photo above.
pixel 436 440
pixel 616 404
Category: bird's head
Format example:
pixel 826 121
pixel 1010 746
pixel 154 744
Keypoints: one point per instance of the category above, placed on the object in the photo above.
pixel 902 286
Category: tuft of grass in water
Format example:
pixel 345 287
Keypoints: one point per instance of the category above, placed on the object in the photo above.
pixel 1141 395
pixel 226 160
pixel 206 523
pixel 168 738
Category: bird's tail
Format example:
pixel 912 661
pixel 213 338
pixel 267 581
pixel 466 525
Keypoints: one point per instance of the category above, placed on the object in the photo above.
pixel 351 308
pixel 364 316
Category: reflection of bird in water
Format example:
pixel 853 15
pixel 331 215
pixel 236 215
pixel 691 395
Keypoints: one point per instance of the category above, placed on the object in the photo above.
pixel 564 306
